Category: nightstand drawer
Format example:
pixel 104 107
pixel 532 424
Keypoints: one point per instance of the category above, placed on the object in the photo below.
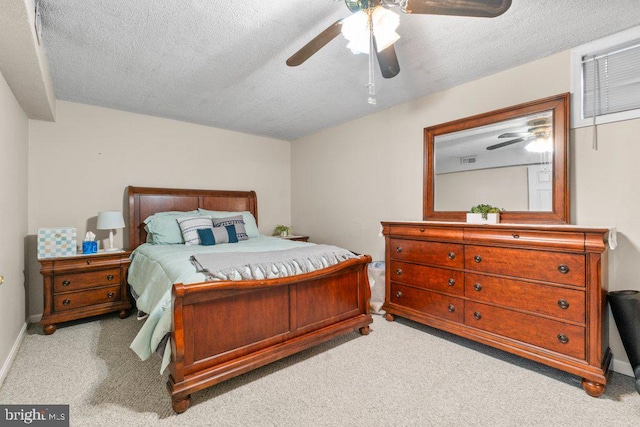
pixel 89 279
pixel 74 300
pixel 86 262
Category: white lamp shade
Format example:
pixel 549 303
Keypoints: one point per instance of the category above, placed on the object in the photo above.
pixel 109 220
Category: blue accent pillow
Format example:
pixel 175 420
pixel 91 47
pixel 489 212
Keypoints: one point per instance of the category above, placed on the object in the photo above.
pixel 218 235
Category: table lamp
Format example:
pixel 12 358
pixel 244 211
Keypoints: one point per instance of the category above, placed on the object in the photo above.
pixel 110 220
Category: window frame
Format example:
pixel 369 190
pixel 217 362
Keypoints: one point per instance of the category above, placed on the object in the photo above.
pixel 606 43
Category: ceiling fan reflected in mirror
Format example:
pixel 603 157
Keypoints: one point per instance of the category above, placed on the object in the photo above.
pixel 538 136
pixel 372 25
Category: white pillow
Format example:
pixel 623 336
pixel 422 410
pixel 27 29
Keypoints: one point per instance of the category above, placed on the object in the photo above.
pixel 190 225
pixel 250 224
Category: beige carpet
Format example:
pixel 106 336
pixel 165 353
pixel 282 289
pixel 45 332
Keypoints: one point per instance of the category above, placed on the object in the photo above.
pixel 402 374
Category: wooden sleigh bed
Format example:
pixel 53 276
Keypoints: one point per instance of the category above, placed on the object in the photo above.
pixel 248 323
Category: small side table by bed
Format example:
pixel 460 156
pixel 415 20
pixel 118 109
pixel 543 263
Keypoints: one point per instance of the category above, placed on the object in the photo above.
pixel 82 286
pixel 296 238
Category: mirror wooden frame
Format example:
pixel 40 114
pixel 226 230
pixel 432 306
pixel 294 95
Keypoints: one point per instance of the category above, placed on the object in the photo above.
pixel 559 105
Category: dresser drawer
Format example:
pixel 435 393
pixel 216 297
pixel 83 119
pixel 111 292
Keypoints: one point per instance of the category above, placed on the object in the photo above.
pixel 70 301
pixel 520 237
pixel 86 262
pixel 433 253
pixel 432 278
pixel 88 279
pixel 567 304
pixel 568 269
pixel 527 328
pixel 418 230
pixel 438 305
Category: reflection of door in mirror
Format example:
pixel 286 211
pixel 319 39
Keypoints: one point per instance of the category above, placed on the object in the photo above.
pixel 507 164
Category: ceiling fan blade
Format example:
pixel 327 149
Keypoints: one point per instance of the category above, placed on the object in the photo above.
pixel 513 135
pixel 477 8
pixel 387 60
pixel 316 44
pixel 504 144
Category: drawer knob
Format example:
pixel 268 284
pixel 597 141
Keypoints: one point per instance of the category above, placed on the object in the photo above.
pixel 563 304
pixel 66 302
pixel 564 269
pixel 477 258
pixel 563 339
pixel 451 308
pixel 477 287
pixel 452 255
pixel 399 272
pixel 110 277
pixel 451 282
pixel 422 230
pixel 88 261
pixel 477 315
pixel 398 294
pixel 66 283
pixel 110 295
pixel 516 236
pixel 399 249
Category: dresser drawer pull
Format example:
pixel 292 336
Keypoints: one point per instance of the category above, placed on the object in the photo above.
pixel 399 249
pixel 477 258
pixel 516 236
pixel 399 272
pixel 88 261
pixel 563 304
pixel 564 269
pixel 477 315
pixel 563 338
pixel 398 294
pixel 452 255
pixel 110 295
pixel 422 230
pixel 451 282
pixel 66 302
pixel 451 308
pixel 477 287
pixel 66 283
pixel 110 277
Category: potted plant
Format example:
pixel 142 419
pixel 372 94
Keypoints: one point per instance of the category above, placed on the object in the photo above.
pixel 484 214
pixel 282 231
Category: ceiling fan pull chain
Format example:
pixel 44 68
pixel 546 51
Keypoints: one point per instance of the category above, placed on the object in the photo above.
pixel 372 86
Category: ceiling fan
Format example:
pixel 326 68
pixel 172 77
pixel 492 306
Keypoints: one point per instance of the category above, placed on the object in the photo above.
pixel 377 19
pixel 538 129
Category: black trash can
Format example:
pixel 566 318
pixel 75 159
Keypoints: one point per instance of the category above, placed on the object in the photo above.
pixel 625 306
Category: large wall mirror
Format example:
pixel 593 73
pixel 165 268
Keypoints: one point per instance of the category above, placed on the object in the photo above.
pixel 514 158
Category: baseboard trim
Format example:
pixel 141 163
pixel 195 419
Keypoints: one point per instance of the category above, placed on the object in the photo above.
pixel 623 367
pixel 12 354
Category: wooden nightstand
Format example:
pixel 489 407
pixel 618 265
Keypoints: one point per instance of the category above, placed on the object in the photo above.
pixel 296 238
pixel 82 286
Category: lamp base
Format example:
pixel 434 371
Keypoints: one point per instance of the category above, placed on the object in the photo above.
pixel 112 249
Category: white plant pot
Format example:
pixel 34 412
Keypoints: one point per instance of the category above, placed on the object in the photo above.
pixel 476 218
pixel 284 233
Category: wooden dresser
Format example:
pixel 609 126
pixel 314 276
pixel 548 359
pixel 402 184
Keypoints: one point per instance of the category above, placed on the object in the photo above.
pixel 82 286
pixel 538 291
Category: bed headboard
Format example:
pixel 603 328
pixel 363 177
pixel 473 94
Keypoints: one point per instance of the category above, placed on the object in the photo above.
pixel 145 201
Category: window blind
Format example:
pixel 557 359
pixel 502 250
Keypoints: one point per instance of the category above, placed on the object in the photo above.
pixel 611 81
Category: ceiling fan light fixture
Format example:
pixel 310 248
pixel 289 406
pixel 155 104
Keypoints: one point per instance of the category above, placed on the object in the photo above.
pixel 542 144
pixel 355 29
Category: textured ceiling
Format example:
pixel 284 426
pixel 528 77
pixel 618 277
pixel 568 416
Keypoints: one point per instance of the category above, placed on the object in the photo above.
pixel 222 63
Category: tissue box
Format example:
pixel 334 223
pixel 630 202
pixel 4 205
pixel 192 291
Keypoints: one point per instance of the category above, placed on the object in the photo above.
pixel 89 247
pixel 56 242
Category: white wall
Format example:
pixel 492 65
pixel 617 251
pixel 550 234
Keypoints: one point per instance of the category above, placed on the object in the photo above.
pixel 13 223
pixel 346 179
pixel 83 163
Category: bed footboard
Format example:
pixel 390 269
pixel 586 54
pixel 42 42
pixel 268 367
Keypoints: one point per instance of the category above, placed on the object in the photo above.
pixel 224 329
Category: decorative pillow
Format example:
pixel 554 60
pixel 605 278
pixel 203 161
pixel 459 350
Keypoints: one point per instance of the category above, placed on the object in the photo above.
pixel 217 235
pixel 190 225
pixel 162 227
pixel 233 220
pixel 251 227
